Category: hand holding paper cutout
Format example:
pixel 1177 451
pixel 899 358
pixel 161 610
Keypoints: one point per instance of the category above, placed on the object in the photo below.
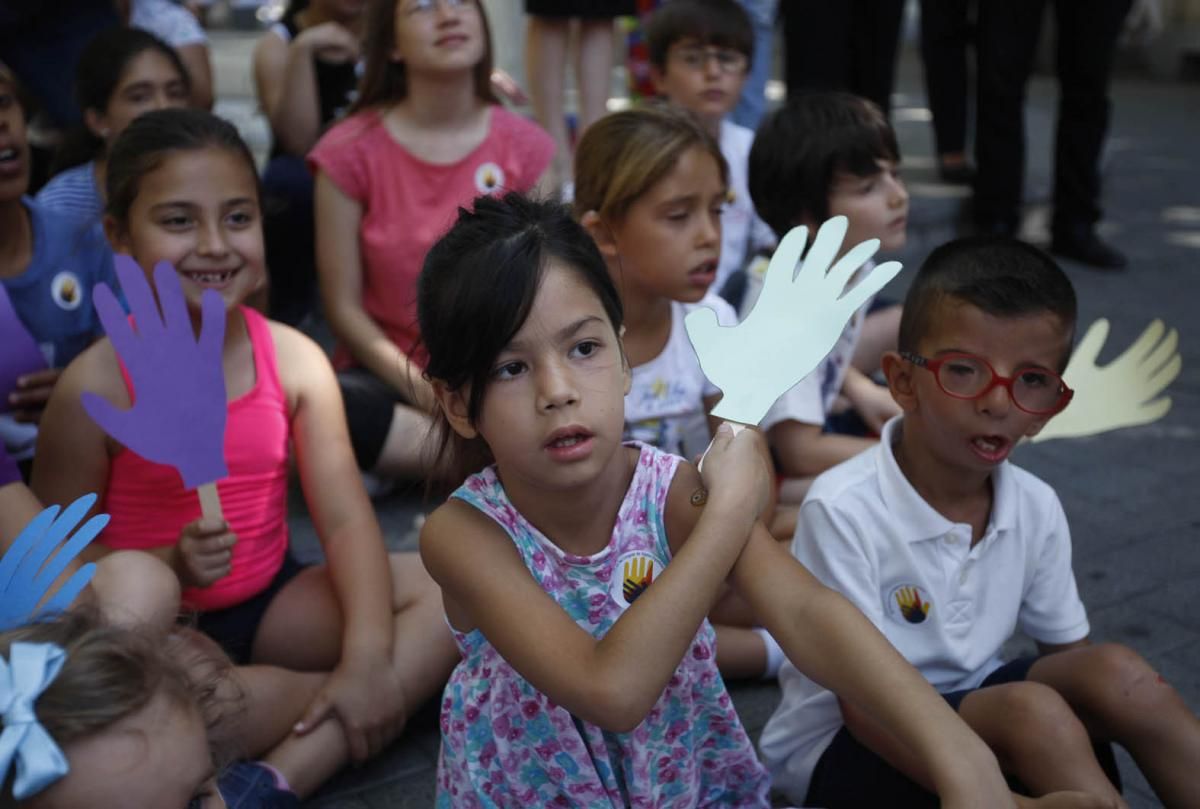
pixel 20 356
pixel 793 325
pixel 26 577
pixel 178 412
pixel 1122 393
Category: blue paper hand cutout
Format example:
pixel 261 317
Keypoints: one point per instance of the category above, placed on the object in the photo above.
pixel 26 577
pixel 178 413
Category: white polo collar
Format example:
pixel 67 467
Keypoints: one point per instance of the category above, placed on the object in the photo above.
pixel 922 521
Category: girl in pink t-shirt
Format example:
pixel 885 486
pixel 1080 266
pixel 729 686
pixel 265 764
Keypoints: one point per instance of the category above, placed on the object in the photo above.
pixel 345 650
pixel 426 136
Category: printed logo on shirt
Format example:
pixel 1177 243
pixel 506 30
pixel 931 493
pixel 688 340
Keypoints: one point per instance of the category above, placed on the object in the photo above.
pixel 489 177
pixel 635 572
pixel 909 604
pixel 66 290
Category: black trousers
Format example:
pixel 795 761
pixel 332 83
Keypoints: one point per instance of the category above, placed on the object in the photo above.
pixel 1008 33
pixel 946 32
pixel 843 45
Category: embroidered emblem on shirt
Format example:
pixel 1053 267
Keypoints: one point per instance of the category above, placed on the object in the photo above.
pixel 636 571
pixel 66 290
pixel 488 177
pixel 909 604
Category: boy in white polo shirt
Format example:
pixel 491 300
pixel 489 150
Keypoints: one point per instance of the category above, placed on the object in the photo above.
pixel 948 548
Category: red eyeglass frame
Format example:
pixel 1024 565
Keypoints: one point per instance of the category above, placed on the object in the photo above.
pixel 1006 382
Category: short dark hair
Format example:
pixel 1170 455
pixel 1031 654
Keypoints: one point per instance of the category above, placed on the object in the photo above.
pixel 801 146
pixel 1000 276
pixel 151 137
pixel 723 23
pixel 475 291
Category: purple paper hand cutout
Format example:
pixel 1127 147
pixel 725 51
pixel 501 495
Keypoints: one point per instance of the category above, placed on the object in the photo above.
pixel 178 413
pixel 19 354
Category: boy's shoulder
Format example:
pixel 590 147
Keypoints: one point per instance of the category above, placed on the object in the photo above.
pixel 737 137
pixel 854 480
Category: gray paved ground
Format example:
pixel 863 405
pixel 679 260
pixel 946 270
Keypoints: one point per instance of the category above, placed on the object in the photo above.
pixel 1130 496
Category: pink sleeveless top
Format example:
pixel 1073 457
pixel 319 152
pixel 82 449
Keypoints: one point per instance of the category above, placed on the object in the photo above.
pixel 149 505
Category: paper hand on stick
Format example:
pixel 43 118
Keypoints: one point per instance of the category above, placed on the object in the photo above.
pixel 178 412
pixel 1122 393
pixel 794 324
pixel 26 577
pixel 20 354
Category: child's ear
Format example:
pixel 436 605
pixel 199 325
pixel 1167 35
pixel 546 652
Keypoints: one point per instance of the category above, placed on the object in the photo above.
pixel 658 78
pixel 454 405
pixel 899 373
pixel 97 123
pixel 115 235
pixel 601 234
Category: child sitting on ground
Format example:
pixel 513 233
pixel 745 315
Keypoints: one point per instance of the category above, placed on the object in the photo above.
pixel 700 51
pixel 822 155
pixel 128 720
pixel 358 641
pixel 577 569
pixel 48 266
pixel 948 548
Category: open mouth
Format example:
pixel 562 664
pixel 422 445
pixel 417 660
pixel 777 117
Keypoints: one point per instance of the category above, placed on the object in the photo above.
pixel 704 272
pixel 991 447
pixel 215 278
pixel 569 440
pixel 8 155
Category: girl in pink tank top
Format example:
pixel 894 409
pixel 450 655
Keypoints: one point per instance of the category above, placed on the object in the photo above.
pixel 352 646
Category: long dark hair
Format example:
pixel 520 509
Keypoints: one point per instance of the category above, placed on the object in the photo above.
pixel 101 66
pixel 476 288
pixel 384 80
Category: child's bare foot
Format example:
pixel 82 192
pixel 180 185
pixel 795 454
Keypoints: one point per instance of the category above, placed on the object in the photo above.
pixel 1069 800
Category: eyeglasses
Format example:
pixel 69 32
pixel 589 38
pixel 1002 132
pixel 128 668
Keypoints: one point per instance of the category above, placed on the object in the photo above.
pixel 729 61
pixel 965 376
pixel 425 6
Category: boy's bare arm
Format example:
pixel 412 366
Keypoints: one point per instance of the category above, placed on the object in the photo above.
pixel 804 451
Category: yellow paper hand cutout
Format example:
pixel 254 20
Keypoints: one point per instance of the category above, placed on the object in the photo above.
pixel 1122 393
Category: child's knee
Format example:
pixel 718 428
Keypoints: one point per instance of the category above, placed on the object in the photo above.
pixel 1034 723
pixel 135 588
pixel 1121 686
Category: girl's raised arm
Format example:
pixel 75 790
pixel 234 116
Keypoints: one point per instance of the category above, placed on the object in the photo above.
pixel 612 682
pixel 340 269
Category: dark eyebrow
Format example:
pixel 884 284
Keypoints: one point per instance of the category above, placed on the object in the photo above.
pixel 141 85
pixel 565 333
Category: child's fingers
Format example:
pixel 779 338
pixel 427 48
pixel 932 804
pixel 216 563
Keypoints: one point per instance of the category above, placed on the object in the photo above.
pixel 317 712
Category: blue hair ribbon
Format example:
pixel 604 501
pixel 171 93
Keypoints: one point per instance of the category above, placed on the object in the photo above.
pixel 29 671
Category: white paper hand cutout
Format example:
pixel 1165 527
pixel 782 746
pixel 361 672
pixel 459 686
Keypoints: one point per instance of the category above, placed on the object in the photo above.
pixel 793 325
pixel 1122 393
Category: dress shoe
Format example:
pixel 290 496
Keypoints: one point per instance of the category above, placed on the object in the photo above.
pixel 1083 245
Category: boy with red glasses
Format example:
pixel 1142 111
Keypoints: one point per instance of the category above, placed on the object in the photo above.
pixel 948 548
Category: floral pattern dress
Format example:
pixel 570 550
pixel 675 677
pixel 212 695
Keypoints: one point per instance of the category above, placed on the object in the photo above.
pixel 506 744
